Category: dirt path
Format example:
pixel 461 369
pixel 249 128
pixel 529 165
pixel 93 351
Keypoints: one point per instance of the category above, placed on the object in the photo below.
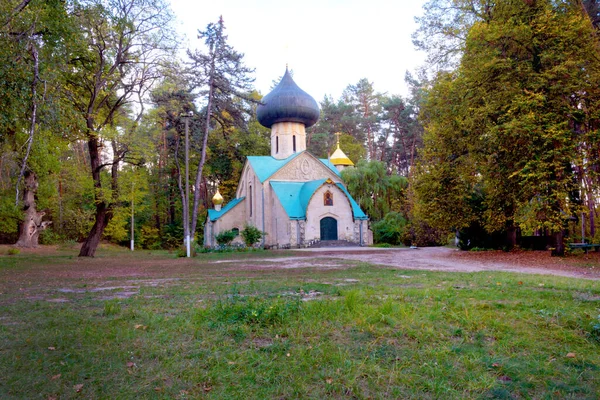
pixel 439 259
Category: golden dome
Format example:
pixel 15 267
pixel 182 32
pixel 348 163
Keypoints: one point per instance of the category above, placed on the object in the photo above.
pixel 339 158
pixel 217 199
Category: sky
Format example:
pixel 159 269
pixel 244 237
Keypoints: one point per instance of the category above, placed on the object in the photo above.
pixel 329 44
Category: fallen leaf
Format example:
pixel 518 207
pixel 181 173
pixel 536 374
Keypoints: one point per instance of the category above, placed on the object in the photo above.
pixel 140 326
pixel 329 380
pixel 505 378
pixel 520 283
pixel 51 348
pixel 231 362
pixel 570 355
pixel 55 377
pixel 130 364
pixel 78 387
pixel 206 387
pixel 52 398
pixel 288 354
pixel 495 365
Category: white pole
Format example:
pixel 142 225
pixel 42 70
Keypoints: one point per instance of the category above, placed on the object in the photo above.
pixel 187 189
pixel 132 220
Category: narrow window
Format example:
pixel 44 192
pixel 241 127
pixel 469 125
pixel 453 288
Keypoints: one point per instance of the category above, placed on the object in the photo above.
pixel 294 142
pixel 276 144
pixel 250 194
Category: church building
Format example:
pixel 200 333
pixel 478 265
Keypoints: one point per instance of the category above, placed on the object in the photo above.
pixel 295 198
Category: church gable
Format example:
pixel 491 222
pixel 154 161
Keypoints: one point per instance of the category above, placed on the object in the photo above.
pixel 247 178
pixel 305 167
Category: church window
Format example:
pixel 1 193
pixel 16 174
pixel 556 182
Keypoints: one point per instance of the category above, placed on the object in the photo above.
pixel 236 231
pixel 294 142
pixel 250 195
pixel 276 144
pixel 328 198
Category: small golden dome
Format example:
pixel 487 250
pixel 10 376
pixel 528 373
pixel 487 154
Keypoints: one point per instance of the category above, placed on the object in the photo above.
pixel 339 158
pixel 217 198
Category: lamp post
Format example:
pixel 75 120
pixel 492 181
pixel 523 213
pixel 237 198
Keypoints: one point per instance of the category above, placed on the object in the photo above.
pixel 186 208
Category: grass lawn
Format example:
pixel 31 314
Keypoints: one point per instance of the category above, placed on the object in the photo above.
pixel 147 325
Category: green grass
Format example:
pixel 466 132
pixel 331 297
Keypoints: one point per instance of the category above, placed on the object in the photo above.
pixel 222 332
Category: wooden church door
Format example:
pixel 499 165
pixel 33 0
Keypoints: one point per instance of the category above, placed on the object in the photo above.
pixel 329 229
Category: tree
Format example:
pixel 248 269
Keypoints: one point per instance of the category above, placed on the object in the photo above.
pixel 510 127
pixel 374 189
pixel 31 38
pixel 114 60
pixel 367 106
pixel 223 81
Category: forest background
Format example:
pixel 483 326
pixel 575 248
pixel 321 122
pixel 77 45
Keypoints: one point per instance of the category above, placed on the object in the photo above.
pixel 497 138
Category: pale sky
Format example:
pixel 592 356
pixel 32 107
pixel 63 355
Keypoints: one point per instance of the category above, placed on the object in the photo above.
pixel 329 44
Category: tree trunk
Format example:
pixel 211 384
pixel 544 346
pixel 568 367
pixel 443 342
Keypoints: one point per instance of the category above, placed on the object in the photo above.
pixel 511 237
pixel 32 225
pixel 103 217
pixel 103 211
pixel 559 246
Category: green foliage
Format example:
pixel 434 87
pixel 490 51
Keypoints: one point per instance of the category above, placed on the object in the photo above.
pixel 226 237
pixel 251 235
pixel 390 229
pixel 10 216
pixel 253 311
pixel 508 125
pixel 374 189
pixel 117 229
pixel 150 238
pixel 13 251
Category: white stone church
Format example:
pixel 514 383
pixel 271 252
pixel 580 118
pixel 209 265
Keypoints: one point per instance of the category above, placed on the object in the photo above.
pixel 294 197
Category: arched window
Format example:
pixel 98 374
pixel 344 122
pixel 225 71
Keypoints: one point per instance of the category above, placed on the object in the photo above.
pixel 328 198
pixel 250 195
pixel 294 142
pixel 236 231
pixel 276 144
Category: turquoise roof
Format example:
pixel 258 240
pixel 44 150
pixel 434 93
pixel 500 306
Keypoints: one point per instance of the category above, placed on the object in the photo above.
pixel 214 215
pixel 288 194
pixel 295 196
pixel 330 165
pixel 266 166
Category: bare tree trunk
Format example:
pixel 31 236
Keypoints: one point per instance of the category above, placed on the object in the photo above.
pixel 184 204
pixel 198 181
pixel 103 217
pixel 103 211
pixel 36 76
pixel 559 246
pixel 511 237
pixel 32 225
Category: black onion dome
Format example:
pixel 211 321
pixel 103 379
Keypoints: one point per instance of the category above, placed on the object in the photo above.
pixel 287 103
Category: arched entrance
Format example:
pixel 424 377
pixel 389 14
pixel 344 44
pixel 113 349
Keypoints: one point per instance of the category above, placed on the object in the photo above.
pixel 329 229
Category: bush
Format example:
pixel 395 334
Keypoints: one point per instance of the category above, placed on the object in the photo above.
pixel 150 238
pixel 172 236
pixel 226 237
pixel 13 251
pixel 390 229
pixel 251 235
pixel 420 233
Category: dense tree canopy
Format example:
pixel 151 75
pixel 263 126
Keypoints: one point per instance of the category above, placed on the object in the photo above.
pixel 508 133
